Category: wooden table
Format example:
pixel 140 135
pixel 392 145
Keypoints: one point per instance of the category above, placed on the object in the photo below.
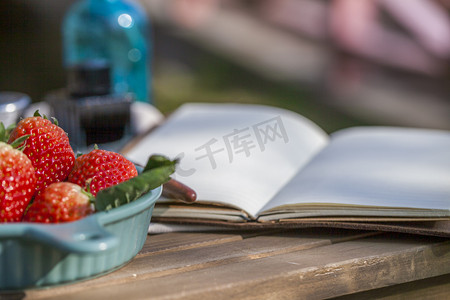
pixel 293 264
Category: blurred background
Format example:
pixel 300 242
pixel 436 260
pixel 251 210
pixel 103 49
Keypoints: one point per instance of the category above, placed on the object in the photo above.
pixel 340 63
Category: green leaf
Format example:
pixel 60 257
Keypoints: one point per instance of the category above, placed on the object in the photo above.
pixel 156 173
pixel 17 142
pixel 2 132
pixel 158 160
pixel 55 121
pixel 9 129
pixel 5 132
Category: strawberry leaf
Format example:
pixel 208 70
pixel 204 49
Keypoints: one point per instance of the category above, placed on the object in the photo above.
pixel 156 173
pixel 17 142
pixel 37 114
pixel 5 131
pixel 2 132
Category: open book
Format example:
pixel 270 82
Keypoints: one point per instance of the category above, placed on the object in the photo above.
pixel 259 164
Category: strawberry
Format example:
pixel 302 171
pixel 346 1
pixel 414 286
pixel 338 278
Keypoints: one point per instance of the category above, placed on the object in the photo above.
pixel 59 202
pixel 18 180
pixel 48 148
pixel 101 169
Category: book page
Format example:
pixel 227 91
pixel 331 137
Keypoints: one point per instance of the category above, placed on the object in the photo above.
pixel 234 154
pixel 197 212
pixel 376 167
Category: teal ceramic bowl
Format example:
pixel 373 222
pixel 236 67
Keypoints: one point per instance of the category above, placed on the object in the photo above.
pixel 38 255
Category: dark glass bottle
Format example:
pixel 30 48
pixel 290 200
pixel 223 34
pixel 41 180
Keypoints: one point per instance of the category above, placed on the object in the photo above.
pixel 89 112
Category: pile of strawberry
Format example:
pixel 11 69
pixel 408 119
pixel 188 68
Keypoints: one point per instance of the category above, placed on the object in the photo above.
pixel 42 181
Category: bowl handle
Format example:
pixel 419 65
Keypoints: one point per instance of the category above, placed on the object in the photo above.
pixel 87 236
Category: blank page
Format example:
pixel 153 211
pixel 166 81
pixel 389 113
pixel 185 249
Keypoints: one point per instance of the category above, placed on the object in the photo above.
pixel 380 166
pixel 234 154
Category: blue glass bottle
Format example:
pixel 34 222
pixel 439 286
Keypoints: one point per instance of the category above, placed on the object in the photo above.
pixel 117 31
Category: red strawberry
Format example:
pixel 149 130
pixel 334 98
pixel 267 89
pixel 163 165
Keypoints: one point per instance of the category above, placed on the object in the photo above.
pixel 101 169
pixel 48 148
pixel 59 202
pixel 18 181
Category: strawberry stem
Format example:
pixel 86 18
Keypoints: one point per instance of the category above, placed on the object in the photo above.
pixel 88 185
pixel 89 195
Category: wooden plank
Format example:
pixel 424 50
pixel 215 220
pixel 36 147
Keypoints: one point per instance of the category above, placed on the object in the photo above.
pixel 163 263
pixel 180 241
pixel 321 272
pixel 430 288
